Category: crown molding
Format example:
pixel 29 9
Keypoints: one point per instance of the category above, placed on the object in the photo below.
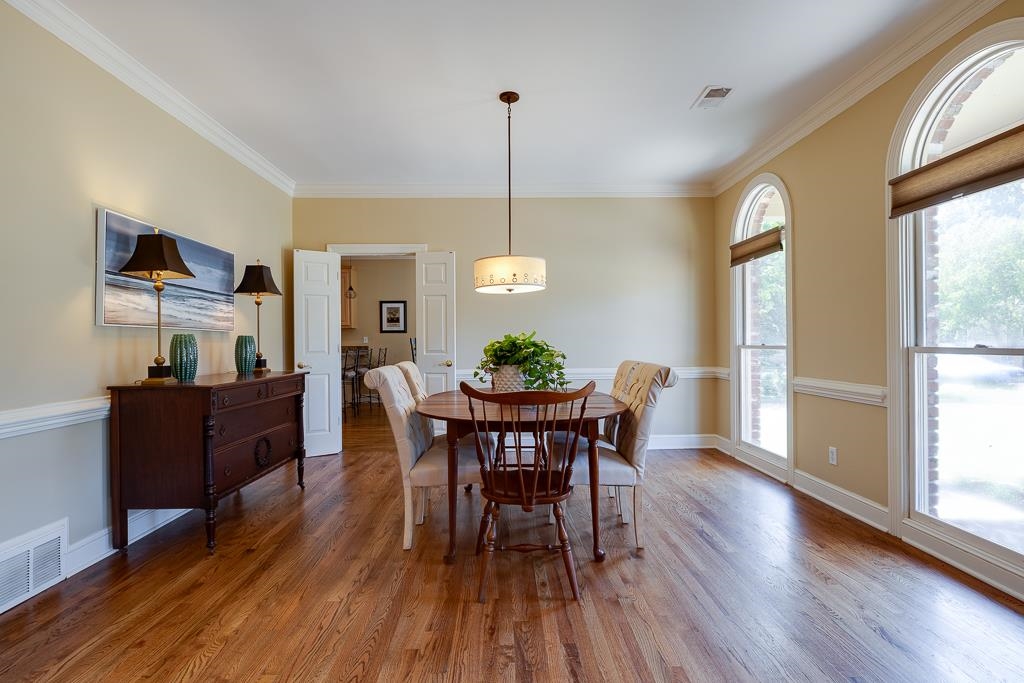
pixel 889 63
pixel 455 191
pixel 78 34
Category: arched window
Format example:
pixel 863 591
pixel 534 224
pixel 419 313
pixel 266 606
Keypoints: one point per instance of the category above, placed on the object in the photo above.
pixel 760 329
pixel 960 313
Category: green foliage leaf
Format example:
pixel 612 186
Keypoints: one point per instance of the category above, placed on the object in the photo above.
pixel 541 364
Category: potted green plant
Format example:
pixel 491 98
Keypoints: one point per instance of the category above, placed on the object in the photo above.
pixel 520 361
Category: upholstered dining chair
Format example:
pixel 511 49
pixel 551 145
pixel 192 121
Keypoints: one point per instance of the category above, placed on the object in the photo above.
pixel 422 457
pixel 622 447
pixel 531 467
pixel 414 378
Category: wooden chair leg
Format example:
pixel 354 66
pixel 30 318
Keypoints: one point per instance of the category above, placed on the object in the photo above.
pixel 563 539
pixel 485 560
pixel 611 491
pixel 638 500
pixel 483 526
pixel 618 501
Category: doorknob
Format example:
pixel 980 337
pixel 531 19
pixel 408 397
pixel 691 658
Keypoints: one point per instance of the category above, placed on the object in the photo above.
pixel 447 363
pixel 303 366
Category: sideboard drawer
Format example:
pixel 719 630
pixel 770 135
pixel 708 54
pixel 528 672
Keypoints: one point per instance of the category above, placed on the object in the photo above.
pixel 295 385
pixel 239 396
pixel 232 425
pixel 237 464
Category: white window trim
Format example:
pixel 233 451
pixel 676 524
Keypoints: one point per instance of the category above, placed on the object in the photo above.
pixel 769 463
pixel 982 560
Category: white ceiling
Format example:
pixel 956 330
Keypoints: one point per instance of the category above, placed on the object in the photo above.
pixel 400 97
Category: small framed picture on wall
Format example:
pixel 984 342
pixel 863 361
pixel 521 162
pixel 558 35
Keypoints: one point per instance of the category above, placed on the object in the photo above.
pixel 392 316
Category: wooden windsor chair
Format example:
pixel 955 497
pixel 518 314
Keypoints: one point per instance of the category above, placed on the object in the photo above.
pixel 528 466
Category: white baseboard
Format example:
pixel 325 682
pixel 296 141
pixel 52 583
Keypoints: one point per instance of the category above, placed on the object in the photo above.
pixel 858 507
pixel 772 469
pixel 97 546
pixel 973 561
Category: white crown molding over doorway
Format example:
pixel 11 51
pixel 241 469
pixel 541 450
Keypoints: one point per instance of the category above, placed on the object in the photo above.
pixel 394 250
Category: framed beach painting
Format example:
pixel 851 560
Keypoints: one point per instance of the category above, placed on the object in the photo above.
pixel 206 302
pixel 392 316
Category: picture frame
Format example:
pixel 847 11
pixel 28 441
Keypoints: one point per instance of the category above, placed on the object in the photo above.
pixel 205 302
pixel 392 317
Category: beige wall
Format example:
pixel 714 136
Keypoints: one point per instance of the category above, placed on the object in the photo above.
pixel 643 278
pixel 837 186
pixel 628 278
pixel 75 137
pixel 376 281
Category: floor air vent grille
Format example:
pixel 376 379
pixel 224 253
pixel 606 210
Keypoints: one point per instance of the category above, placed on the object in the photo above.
pixel 32 563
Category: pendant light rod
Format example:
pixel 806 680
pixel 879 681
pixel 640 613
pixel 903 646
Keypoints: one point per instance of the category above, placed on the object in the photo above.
pixel 508 97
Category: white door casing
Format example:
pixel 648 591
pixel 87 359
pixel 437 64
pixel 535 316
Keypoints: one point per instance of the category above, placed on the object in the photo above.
pixel 317 325
pixel 435 319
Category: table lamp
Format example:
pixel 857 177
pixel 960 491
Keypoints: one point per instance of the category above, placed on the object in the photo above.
pixel 257 281
pixel 156 258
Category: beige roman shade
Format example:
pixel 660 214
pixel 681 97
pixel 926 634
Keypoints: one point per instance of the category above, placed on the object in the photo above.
pixel 761 244
pixel 991 162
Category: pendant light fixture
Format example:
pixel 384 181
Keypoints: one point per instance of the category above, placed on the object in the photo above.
pixel 349 293
pixel 509 274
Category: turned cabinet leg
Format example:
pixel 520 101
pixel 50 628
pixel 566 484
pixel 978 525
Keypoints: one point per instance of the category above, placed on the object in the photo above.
pixel 211 526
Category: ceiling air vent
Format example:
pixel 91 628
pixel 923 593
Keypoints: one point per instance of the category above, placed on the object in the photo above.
pixel 712 96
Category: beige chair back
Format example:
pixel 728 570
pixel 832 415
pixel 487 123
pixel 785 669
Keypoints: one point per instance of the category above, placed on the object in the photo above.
pixel 415 379
pixel 638 385
pixel 413 432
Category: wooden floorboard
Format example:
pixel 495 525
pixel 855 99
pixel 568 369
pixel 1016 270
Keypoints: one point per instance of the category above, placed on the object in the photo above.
pixel 743 579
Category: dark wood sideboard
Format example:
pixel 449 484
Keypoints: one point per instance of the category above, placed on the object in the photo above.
pixel 189 445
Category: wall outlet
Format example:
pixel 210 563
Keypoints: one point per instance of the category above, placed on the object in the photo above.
pixel 366 340
pixel 833 455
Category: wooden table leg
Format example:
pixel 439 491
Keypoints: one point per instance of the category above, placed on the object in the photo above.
pixel 595 484
pixel 453 479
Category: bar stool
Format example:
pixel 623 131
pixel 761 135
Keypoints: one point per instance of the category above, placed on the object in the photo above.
pixel 362 366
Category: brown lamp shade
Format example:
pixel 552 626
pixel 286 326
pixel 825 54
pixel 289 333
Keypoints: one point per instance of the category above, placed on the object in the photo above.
pixel 257 280
pixel 156 254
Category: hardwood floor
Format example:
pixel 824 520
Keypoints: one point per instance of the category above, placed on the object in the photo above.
pixel 742 579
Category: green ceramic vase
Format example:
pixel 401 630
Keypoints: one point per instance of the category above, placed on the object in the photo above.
pixel 245 354
pixel 184 357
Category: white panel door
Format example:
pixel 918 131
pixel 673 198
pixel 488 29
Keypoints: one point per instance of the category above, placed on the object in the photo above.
pixel 317 308
pixel 435 319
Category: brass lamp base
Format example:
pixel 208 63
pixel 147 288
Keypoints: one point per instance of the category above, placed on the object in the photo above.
pixel 160 374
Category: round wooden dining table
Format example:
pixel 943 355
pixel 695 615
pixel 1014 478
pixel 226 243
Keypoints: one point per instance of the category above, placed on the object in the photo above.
pixel 452 407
